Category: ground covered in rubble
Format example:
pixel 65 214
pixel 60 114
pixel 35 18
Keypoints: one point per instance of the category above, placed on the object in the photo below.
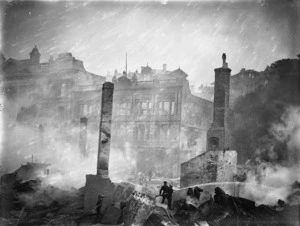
pixel 25 200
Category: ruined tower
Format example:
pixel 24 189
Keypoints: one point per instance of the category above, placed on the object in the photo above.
pixel 218 136
pixel 100 184
pixel 35 56
pixel 218 163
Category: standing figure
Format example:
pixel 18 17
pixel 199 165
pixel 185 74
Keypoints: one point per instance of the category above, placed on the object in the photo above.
pixel 164 191
pixel 169 197
pixel 99 204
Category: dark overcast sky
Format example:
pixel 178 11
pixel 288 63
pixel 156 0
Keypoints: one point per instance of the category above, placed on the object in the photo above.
pixel 192 35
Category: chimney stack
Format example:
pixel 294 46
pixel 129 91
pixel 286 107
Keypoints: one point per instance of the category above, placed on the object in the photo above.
pixel 105 129
pixel 218 136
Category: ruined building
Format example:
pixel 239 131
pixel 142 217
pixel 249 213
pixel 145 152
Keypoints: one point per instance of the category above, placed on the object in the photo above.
pixel 218 163
pixel 241 83
pixel 157 122
pixel 58 96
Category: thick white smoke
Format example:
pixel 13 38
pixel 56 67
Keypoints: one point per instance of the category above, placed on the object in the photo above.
pixel 273 180
pixel 268 183
pixel 289 130
pixel 57 145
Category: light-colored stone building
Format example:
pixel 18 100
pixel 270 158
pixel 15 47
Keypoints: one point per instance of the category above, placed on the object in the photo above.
pixel 51 102
pixel 157 122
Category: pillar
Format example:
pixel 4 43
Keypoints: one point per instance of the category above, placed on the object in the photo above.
pixel 105 129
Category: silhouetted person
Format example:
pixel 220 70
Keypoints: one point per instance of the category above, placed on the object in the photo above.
pixel 197 192
pixel 99 204
pixel 164 191
pixel 169 196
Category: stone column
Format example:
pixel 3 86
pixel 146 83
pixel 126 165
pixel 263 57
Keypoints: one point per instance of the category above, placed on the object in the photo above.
pixel 83 136
pixel 105 129
pixel 100 184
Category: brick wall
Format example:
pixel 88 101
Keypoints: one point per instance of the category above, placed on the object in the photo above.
pixel 211 166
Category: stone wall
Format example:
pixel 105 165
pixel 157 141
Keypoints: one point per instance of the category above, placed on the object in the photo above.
pixel 96 185
pixel 113 193
pixel 211 166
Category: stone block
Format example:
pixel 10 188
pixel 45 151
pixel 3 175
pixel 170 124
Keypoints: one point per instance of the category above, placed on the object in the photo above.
pixel 138 209
pixel 211 166
pixel 94 186
pixel 111 215
pixel 118 193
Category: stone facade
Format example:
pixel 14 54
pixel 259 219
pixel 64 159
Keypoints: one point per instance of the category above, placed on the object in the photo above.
pixel 49 99
pixel 218 163
pixel 159 120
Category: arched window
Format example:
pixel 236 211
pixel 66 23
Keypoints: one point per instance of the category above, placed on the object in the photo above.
pixel 213 142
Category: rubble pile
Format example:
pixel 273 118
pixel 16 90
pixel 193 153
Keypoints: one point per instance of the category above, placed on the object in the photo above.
pixel 223 209
pixel 26 201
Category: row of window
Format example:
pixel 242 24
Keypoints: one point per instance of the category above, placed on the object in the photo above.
pixel 89 109
pixel 146 108
pixel 162 132
pixel 148 132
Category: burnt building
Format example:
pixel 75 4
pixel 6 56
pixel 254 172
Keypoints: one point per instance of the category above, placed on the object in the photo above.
pixel 218 163
pixel 50 99
pixel 157 122
pixel 241 84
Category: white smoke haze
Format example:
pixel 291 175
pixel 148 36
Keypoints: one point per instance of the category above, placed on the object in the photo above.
pixel 68 166
pixel 289 131
pixel 122 164
pixel 268 183
pixel 274 180
pixel 56 145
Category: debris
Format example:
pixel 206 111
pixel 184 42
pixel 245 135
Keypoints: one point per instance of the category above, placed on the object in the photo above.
pixel 112 216
pixel 138 209
pixel 296 185
pixel 197 192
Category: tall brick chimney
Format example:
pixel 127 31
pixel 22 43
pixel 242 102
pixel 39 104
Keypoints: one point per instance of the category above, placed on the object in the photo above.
pixel 218 136
pixel 105 129
pixel 219 162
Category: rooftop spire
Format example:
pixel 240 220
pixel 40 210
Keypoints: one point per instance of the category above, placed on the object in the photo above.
pixel 225 65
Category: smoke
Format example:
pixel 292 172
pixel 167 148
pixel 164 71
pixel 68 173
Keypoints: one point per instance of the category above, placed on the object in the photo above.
pixel 267 183
pixel 68 166
pixel 122 165
pixel 263 119
pixel 289 130
pixel 55 142
pixel 275 180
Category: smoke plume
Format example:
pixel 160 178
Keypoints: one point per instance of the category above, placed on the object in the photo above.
pixel 258 112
